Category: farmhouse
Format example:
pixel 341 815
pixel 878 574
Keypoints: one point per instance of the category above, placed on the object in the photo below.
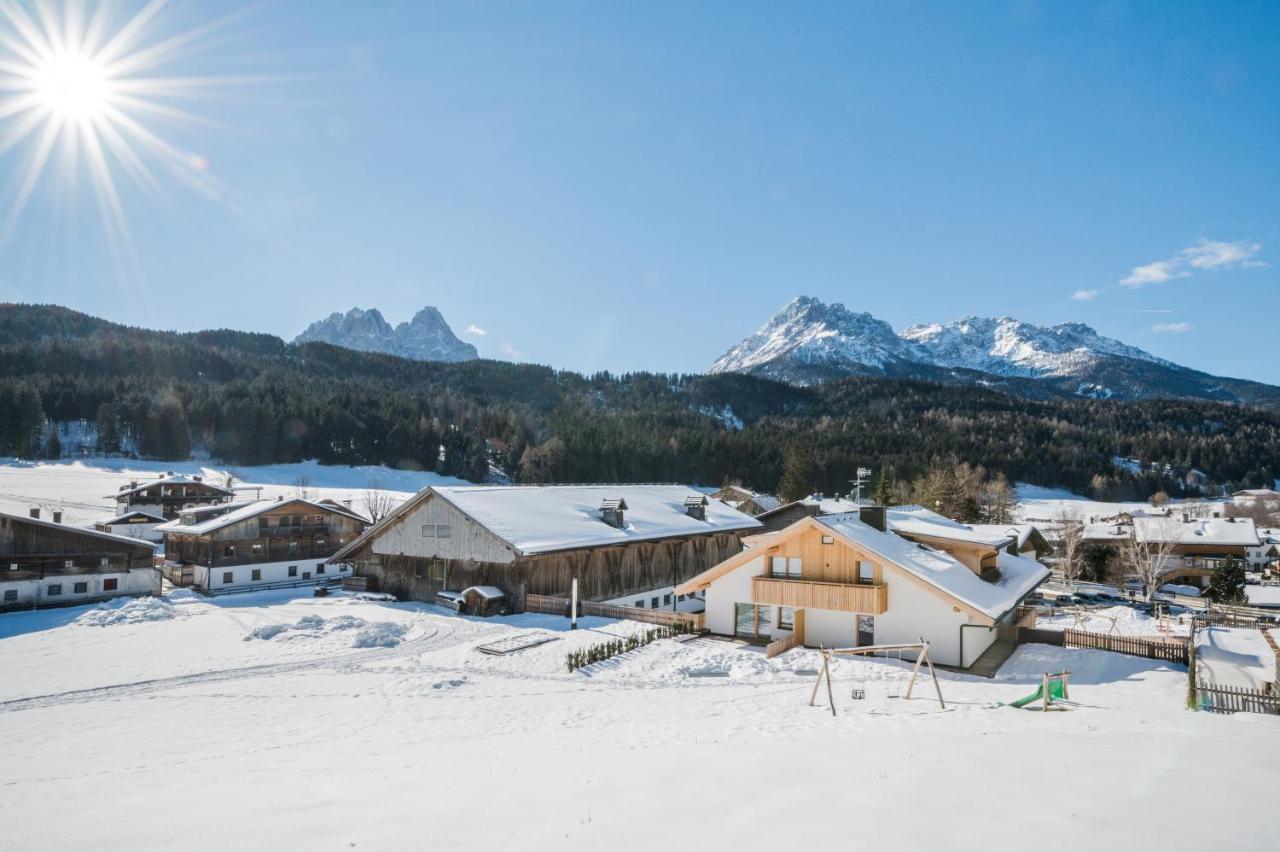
pixel 169 495
pixel 614 539
pixel 849 580
pixel 43 563
pixel 133 524
pixel 243 546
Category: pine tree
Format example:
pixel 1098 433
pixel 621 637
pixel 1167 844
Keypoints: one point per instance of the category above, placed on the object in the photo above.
pixel 797 474
pixel 1227 584
pixel 53 449
pixel 883 495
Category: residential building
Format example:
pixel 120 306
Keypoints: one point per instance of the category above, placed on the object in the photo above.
pixel 850 580
pixel 169 495
pixel 747 501
pixel 616 540
pixel 48 563
pixel 243 546
pixel 133 524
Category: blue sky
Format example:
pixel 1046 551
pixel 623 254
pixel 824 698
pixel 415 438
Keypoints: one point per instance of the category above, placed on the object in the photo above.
pixel 638 186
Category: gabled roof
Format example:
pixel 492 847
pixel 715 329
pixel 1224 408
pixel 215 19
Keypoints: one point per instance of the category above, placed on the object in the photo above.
pixel 172 479
pixel 243 512
pixel 766 502
pixel 918 521
pixel 535 519
pixel 1227 532
pixel 110 537
pixel 1019 576
pixel 136 513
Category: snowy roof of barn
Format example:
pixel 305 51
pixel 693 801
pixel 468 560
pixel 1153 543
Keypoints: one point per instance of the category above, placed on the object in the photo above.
pixel 1233 532
pixel 136 513
pixel 535 519
pixel 89 531
pixel 1018 574
pixel 917 520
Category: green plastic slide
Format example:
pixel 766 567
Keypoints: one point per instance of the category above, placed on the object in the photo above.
pixel 1057 691
pixel 1035 696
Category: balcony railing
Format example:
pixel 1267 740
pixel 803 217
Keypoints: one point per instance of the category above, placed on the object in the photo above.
pixel 866 598
pixel 309 529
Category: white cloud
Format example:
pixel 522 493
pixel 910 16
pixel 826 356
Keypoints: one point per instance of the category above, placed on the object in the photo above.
pixel 510 351
pixel 1172 327
pixel 1206 254
pixel 1085 295
pixel 475 329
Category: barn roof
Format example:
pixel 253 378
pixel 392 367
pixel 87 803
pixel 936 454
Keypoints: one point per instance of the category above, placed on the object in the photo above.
pixel 242 512
pixel 111 537
pixel 536 519
pixel 136 513
pixel 171 479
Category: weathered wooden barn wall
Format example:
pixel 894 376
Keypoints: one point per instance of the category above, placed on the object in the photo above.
pixel 602 572
pixel 467 539
pixel 43 549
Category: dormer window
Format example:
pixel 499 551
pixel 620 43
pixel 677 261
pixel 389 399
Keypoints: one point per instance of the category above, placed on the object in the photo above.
pixel 696 507
pixel 611 512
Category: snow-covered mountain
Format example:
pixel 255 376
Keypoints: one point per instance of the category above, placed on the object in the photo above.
pixel 426 337
pixel 809 341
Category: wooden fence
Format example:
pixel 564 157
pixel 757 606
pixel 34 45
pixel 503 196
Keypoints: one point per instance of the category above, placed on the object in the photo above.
pixel 695 621
pixel 1025 616
pixel 1172 649
pixel 1218 698
pixel 781 646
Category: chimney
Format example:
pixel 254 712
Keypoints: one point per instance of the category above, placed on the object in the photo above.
pixel 696 507
pixel 195 479
pixel 873 516
pixel 35 512
pixel 347 502
pixel 57 516
pixel 133 483
pixel 611 512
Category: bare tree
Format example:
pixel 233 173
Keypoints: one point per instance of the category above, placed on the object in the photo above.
pixel 229 479
pixel 998 500
pixel 1070 548
pixel 1149 550
pixel 377 502
pixel 302 488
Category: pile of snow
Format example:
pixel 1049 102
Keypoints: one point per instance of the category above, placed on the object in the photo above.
pixel 126 611
pixel 1235 656
pixel 380 634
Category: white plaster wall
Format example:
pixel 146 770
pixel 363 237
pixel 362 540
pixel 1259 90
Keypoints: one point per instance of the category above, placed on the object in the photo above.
pixel 829 628
pixel 724 592
pixel 272 572
pixel 139 581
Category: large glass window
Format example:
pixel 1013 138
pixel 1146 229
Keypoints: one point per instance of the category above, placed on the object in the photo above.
pixel 793 566
pixel 752 622
pixel 778 566
pixel 786 618
pixel 866 572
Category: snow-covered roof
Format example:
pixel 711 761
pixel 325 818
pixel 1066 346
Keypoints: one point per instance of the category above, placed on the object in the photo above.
pixel 1257 492
pixel 764 501
pixel 1020 532
pixel 1018 574
pixel 241 512
pixel 136 513
pixel 1228 532
pixel 917 520
pixel 547 518
pixel 1107 532
pixel 1263 596
pixel 489 592
pixel 171 479
pixel 89 531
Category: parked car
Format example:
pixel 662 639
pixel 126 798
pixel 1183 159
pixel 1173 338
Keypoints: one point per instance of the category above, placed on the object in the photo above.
pixel 1066 600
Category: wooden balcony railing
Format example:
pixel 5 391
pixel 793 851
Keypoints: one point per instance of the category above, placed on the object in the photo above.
pixel 866 598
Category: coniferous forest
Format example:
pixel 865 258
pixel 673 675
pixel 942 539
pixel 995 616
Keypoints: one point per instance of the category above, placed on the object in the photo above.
pixel 250 399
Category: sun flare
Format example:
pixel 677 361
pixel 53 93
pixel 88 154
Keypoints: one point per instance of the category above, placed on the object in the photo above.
pixel 76 99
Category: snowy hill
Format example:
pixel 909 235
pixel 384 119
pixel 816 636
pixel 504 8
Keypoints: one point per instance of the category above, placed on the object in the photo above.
pixel 426 337
pixel 809 341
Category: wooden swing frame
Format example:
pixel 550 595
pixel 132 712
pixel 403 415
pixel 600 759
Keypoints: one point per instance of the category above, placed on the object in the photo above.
pixel 922 657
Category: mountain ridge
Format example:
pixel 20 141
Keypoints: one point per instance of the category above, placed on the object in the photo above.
pixel 426 337
pixel 809 341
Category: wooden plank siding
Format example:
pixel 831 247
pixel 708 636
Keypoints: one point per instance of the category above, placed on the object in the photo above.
pixel 864 598
pixel 1173 649
pixel 825 562
pixel 44 549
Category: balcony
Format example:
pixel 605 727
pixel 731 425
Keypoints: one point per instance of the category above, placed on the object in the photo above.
pixel 308 529
pixel 866 598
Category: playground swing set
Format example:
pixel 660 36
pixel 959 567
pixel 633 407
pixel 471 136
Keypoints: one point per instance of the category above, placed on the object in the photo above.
pixel 921 650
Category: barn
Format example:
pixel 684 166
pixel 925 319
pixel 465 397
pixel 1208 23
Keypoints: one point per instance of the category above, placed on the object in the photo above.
pixel 536 539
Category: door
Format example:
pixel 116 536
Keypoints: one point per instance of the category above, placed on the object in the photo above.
pixel 866 630
pixel 752 622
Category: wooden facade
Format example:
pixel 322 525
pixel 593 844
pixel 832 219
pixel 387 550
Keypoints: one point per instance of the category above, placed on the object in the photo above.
pixel 414 558
pixel 31 549
pixel 168 497
pixel 290 529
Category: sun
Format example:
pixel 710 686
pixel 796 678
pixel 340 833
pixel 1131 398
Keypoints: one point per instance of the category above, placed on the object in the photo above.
pixel 80 97
pixel 72 86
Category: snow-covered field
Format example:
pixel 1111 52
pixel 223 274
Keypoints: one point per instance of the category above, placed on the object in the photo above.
pixel 1121 620
pixel 81 488
pixel 1232 656
pixel 1038 502
pixel 266 721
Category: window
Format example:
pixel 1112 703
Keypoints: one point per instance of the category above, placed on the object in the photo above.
pixel 293 570
pixel 55 590
pixel 828 539
pixel 104 560
pixel 257 550
pixel 319 542
pixel 653 603
pixel 666 600
pixel 639 604
pixel 428 530
pixel 81 588
pixel 293 548
pixel 439 571
pixel 10 595
pixel 228 577
pixel 866 572
pixel 320 568
pixel 69 564
pixel 778 566
pixel 786 618
pixel 255 574
pixel 793 566
pixel 229 550
pixel 443 531
pixel 263 523
pixel 110 584
pixel 751 621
